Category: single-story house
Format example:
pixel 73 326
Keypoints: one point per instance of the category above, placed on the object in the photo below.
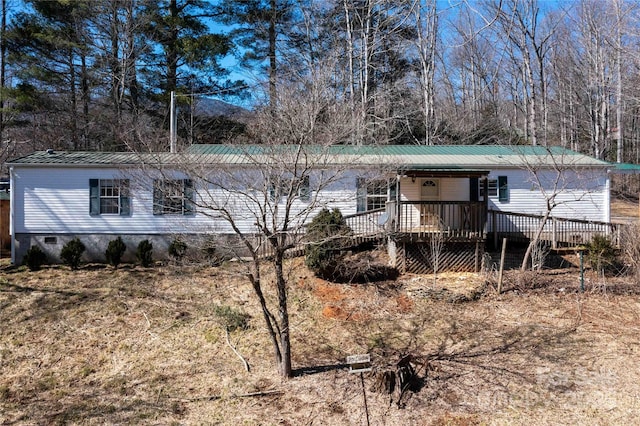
pixel 409 193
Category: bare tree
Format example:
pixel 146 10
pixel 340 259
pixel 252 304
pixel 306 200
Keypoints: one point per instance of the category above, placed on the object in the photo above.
pixel 264 194
pixel 426 17
pixel 560 182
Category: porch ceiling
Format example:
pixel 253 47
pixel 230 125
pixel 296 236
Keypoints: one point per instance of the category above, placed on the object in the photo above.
pixel 419 172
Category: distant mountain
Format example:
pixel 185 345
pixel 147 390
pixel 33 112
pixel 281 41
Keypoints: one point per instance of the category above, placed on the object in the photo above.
pixel 215 108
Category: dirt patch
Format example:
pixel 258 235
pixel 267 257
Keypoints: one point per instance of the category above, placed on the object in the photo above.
pixel 143 346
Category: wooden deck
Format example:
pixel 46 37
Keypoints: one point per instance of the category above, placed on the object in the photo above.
pixel 557 232
pixel 451 220
pixel 463 227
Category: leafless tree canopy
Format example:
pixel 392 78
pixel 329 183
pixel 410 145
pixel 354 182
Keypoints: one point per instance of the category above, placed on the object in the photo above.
pixel 97 75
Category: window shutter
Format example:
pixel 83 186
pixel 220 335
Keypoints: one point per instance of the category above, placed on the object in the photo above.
pixel 94 197
pixel 188 200
pixel 158 197
pixel 361 194
pixel 305 189
pixel 272 189
pixel 393 189
pixel 503 188
pixel 473 189
pixel 125 203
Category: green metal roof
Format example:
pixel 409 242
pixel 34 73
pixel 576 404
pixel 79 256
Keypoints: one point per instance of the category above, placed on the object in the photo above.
pixel 390 150
pixel 438 157
pixel 625 168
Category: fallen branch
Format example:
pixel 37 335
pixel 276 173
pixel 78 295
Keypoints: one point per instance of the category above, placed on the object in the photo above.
pixel 244 361
pixel 244 395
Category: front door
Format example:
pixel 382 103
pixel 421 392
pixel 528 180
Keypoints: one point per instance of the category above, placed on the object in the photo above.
pixel 430 213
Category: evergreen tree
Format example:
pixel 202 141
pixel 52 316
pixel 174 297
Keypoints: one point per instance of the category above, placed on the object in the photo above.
pixel 260 29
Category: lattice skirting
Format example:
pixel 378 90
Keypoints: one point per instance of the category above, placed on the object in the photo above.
pixel 454 257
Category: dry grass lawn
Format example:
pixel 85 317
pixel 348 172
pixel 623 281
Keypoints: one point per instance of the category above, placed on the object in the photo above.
pixel 147 346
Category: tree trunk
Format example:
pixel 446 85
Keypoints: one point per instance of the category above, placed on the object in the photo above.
pixel 269 320
pixel 172 49
pixel 3 65
pixel 619 104
pixel 273 64
pixel 535 240
pixel 283 312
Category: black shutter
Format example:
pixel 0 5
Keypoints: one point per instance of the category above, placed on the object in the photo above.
pixel 361 194
pixel 94 197
pixel 503 188
pixel 125 202
pixel 158 197
pixel 473 189
pixel 305 189
pixel 189 197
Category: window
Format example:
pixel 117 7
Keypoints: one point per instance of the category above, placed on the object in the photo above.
pixel 371 194
pixel 430 189
pixel 109 196
pixel 300 186
pixel 493 187
pixel 304 189
pixel 497 188
pixel 173 196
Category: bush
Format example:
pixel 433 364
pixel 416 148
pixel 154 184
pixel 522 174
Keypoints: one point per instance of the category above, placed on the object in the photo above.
pixel 360 268
pixel 34 258
pixel 144 254
pixel 326 234
pixel 115 251
pixel 177 249
pixel 601 254
pixel 230 318
pixel 630 242
pixel 72 252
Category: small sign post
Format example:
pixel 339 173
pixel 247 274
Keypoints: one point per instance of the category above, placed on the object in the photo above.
pixel 361 364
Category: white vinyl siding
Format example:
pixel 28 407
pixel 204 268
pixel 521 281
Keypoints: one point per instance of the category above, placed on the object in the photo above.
pixel 583 195
pixel 56 200
pixel 451 189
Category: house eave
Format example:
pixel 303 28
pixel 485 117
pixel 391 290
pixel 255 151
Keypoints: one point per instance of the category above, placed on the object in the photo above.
pixel 418 172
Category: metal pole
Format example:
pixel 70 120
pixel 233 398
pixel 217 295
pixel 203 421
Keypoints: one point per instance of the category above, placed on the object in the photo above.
pixel 172 123
pixel 364 395
pixel 581 271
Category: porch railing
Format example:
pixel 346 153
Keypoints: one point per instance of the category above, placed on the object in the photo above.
pixel 455 219
pixel 365 227
pixel 558 232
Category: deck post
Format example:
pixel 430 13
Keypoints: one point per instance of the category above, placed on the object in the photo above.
pixel 501 270
pixel 554 237
pixel 477 257
pixel 495 228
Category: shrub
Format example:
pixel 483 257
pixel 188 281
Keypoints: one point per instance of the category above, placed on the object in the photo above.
pixel 212 254
pixel 72 252
pixel 115 251
pixel 230 318
pixel 177 249
pixel 361 268
pixel 630 242
pixel 34 258
pixel 326 234
pixel 144 254
pixel 601 254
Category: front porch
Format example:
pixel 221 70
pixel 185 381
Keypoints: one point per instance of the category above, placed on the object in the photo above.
pixel 447 220
pixel 449 234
